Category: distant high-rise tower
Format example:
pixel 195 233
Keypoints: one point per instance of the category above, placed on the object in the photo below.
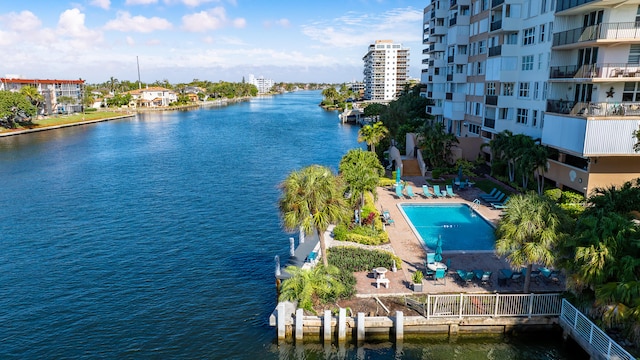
pixel 386 70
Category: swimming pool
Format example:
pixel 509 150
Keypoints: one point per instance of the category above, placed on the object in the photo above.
pixel 461 228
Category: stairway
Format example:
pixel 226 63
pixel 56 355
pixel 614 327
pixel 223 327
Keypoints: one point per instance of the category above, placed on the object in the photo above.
pixel 410 167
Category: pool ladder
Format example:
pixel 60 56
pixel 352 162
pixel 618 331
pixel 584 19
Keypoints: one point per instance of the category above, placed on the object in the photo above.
pixel 476 204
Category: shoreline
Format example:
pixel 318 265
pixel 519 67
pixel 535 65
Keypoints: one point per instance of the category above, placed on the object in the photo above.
pixel 54 127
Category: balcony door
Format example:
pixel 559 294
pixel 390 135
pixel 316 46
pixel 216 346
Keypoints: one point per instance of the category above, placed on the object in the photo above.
pixel 593 18
pixel 583 93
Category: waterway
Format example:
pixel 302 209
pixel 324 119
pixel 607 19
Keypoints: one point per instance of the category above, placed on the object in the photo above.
pixel 154 237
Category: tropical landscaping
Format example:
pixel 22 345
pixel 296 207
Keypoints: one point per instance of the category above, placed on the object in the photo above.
pixel 594 241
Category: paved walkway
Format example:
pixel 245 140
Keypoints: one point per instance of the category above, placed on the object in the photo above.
pixel 405 244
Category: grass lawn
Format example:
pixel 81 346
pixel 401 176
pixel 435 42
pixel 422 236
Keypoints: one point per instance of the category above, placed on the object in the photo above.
pixel 66 119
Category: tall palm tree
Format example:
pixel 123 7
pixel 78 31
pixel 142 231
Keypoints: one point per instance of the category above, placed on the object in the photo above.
pixel 303 285
pixel 361 170
pixel 32 94
pixel 312 198
pixel 529 232
pixel 372 134
pixel 499 145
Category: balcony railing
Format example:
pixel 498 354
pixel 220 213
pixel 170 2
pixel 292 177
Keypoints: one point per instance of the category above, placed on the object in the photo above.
pixel 453 3
pixel 585 109
pixel 495 50
pixel 453 21
pixel 495 3
pixel 496 25
pixel 591 71
pixel 450 59
pixel 568 4
pixel 489 123
pixel 491 100
pixel 612 31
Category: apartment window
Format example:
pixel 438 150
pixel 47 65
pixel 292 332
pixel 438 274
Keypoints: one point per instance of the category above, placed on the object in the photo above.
pixel 480 68
pixel 503 114
pixel 511 38
pixel 523 90
pixel 507 88
pixel 543 6
pixel 462 49
pixel 634 54
pixel 477 109
pixel 631 91
pixel 527 62
pixel 529 36
pixel 482 47
pixel 491 88
pixel 474 129
pixel 542 33
pixel 459 69
pixel 540 61
pixel 485 4
pixel 536 89
pixel 522 116
pixel 638 16
pixel 534 118
pixel 544 90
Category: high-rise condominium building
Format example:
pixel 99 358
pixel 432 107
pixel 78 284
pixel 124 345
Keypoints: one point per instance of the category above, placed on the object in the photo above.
pixel 567 74
pixel 386 70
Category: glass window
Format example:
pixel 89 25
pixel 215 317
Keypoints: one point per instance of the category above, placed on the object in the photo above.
pixel 522 116
pixel 529 36
pixel 491 88
pixel 542 33
pixel 507 89
pixel 527 62
pixel 523 90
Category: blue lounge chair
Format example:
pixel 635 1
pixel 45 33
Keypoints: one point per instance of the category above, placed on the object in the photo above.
pixel 500 205
pixel 431 258
pixel 410 193
pixel 465 276
pixel 450 191
pixel 483 276
pixel 399 192
pixel 386 218
pixel 512 275
pixel 496 199
pixel 549 275
pixel 493 193
pixel 436 191
pixel 426 192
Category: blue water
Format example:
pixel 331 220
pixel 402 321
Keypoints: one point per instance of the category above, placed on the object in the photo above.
pixel 154 237
pixel 459 227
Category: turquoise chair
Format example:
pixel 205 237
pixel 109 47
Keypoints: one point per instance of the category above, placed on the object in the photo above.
pixel 436 191
pixel 496 199
pixel 490 195
pixel 426 192
pixel 450 191
pixel 440 274
pixel 431 258
pixel 410 191
pixel 500 205
pixel 399 192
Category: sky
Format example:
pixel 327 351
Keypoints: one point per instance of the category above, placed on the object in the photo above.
pixel 182 40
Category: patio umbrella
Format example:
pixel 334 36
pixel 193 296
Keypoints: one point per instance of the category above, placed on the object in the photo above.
pixel 438 256
pixel 460 173
pixel 398 175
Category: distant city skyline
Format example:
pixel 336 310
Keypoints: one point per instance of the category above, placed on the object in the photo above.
pixel 182 40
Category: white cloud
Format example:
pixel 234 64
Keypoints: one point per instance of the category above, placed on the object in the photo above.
pixel 25 21
pixel 357 29
pixel 130 41
pixel 71 24
pixel 211 19
pixel 127 23
pixel 105 4
pixel 283 22
pixel 140 2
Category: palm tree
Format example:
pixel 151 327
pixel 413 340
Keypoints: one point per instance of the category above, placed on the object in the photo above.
pixel 372 134
pixel 32 94
pixel 361 171
pixel 313 198
pixel 636 135
pixel 330 94
pixel 498 146
pixel 303 285
pixel 113 84
pixel 436 143
pixel 529 231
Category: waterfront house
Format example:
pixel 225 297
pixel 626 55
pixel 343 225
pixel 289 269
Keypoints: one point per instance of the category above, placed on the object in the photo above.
pixel 154 96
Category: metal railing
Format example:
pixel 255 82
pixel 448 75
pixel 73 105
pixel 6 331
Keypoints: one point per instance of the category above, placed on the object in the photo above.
pixel 581 326
pixel 496 25
pixel 490 305
pixel 585 109
pixel 568 4
pixel 591 71
pixel 619 30
pixel 495 50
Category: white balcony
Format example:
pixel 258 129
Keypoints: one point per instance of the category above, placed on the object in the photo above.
pixel 590 137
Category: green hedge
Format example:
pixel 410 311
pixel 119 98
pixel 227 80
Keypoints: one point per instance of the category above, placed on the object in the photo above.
pixel 365 235
pixel 352 259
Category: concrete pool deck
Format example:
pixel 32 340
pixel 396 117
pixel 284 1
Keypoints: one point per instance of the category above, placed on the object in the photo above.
pixel 406 245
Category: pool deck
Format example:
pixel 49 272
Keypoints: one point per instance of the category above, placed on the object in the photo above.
pixel 406 245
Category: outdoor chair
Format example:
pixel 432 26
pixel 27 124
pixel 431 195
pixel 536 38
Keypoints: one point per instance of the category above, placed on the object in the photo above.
pixel 497 199
pixel 484 277
pixel 437 191
pixel 386 218
pixel 493 193
pixel 511 276
pixel 450 191
pixel 440 274
pixel 410 191
pixel 465 276
pixel 549 275
pixel 426 192
pixel 500 205
pixel 399 192
pixel 431 258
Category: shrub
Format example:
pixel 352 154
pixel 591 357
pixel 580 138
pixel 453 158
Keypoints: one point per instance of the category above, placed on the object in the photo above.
pixel 354 259
pixel 90 109
pixel 417 277
pixel 436 173
pixel 553 194
pixel 340 232
pixel 386 181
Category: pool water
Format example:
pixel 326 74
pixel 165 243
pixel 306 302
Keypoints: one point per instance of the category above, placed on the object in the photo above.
pixel 461 227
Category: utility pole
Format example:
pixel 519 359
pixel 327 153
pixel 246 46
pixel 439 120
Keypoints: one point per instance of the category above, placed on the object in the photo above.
pixel 139 83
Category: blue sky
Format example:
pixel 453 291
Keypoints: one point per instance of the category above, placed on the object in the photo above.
pixel 182 40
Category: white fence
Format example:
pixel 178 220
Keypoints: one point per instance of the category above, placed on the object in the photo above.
pixel 493 305
pixel 580 326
